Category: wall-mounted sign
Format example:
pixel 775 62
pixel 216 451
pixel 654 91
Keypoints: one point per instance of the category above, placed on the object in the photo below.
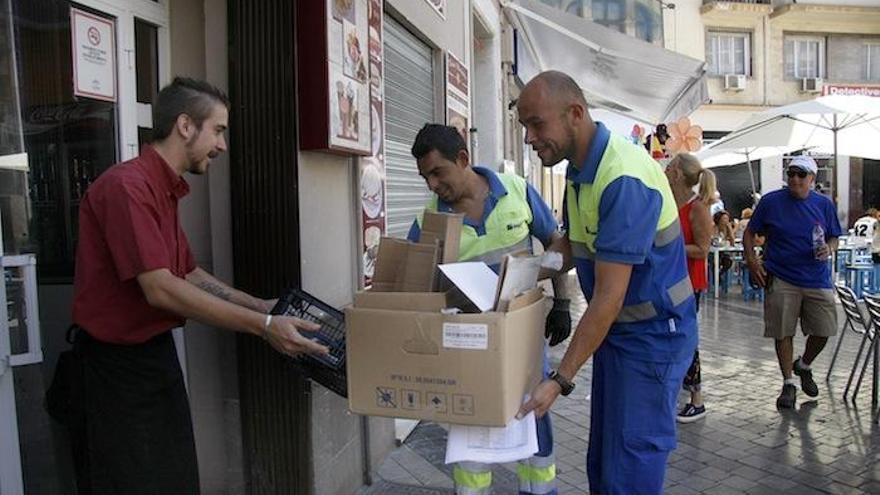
pixel 457 95
pixel 850 89
pixel 93 46
pixel 334 88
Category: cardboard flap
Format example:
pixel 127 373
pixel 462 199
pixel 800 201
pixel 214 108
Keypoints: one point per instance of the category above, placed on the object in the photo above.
pixel 402 266
pixel 445 229
pixel 420 342
pixel 526 299
pixel 429 302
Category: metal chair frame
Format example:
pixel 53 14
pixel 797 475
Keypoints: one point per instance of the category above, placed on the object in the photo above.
pixel 872 303
pixel 855 321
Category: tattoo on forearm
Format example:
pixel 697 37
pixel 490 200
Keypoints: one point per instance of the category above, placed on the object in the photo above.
pixel 216 290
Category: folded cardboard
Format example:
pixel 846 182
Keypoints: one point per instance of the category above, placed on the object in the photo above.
pixel 445 229
pixel 471 369
pixel 403 266
pixel 431 302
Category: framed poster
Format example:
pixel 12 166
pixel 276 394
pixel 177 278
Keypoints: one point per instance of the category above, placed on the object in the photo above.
pixel 457 95
pixel 334 88
pixel 93 48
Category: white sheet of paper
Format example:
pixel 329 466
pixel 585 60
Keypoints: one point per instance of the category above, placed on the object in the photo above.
pixel 475 280
pixel 518 440
pixel 520 275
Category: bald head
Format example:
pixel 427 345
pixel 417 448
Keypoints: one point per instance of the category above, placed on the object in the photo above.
pixel 553 111
pixel 557 87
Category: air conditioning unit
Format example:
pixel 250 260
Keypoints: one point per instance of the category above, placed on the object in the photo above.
pixel 811 84
pixel 735 82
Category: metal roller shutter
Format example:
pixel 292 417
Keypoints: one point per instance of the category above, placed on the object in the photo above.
pixel 409 104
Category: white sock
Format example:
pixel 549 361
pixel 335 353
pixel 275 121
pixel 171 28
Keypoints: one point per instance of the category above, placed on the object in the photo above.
pixel 802 365
pixel 790 381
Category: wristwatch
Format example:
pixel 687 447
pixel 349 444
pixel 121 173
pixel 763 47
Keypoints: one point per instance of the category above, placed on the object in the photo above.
pixel 566 385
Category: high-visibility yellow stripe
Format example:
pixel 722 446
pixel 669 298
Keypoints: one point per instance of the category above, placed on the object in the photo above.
pixel 533 474
pixel 474 481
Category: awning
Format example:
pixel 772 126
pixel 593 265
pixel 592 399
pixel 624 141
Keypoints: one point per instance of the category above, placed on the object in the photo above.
pixel 618 72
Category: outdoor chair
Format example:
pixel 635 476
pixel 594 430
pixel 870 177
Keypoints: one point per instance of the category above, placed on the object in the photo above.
pixel 872 303
pixel 749 293
pixel 856 322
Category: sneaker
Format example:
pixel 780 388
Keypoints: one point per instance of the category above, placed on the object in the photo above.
pixel 807 384
pixel 690 413
pixel 787 397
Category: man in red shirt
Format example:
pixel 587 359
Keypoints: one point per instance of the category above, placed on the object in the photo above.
pixel 136 280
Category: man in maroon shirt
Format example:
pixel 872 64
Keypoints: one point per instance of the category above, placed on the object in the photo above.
pixel 136 280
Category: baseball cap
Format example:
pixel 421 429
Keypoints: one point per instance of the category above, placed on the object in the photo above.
pixel 804 163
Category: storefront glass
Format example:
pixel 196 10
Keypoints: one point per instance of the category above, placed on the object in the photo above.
pixel 69 140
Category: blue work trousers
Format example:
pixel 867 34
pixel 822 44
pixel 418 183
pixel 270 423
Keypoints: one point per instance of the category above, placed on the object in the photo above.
pixel 632 422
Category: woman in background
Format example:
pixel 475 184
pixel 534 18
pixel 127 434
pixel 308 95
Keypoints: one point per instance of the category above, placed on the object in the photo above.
pixel 684 172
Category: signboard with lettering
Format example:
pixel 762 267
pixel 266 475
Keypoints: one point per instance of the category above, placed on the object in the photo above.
pixel 851 89
pixel 93 43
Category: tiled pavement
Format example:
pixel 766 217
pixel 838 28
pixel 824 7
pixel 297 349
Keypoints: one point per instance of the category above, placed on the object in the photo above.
pixel 744 445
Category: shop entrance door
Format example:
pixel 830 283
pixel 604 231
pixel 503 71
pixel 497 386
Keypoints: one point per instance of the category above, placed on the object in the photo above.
pixel 65 140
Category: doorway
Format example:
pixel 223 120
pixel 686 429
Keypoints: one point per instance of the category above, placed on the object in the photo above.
pixel 61 140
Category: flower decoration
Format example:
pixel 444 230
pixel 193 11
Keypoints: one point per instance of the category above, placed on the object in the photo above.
pixel 683 137
pixel 637 135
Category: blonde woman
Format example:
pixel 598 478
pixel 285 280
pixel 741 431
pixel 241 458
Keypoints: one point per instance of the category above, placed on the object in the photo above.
pixel 742 223
pixel 684 172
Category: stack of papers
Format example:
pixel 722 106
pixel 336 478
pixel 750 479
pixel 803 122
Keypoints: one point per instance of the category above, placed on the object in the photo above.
pixel 518 440
pixel 488 291
pixel 475 280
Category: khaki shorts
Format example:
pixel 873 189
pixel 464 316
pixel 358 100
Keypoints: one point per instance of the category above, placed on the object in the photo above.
pixel 785 304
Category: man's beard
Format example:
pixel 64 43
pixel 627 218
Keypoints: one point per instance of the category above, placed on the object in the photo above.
pixel 195 166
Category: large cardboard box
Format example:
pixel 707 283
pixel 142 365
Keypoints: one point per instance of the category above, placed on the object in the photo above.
pixel 408 360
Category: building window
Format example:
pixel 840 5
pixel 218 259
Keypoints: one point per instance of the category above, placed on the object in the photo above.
pixel 647 23
pixel 727 53
pixel 610 13
pixel 872 62
pixel 804 57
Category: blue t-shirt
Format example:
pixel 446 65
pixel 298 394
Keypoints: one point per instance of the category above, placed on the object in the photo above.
pixel 788 222
pixel 543 224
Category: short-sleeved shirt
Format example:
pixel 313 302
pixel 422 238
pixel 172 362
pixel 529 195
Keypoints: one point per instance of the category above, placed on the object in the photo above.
pixel 866 229
pixel 543 224
pixel 629 212
pixel 128 225
pixel 788 224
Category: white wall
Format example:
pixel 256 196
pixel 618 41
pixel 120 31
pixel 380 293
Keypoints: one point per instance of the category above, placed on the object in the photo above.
pixel 486 102
pixel 451 33
pixel 771 174
pixel 327 226
pixel 198 49
pixel 683 29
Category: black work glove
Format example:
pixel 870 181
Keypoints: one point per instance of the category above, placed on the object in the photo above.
pixel 558 326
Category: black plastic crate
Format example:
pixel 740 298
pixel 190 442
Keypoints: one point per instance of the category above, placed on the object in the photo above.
pixel 328 370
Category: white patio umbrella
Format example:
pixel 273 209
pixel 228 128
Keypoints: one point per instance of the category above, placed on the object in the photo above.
pixel 847 124
pixel 711 156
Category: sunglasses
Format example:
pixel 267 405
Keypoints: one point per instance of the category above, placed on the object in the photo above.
pixel 800 173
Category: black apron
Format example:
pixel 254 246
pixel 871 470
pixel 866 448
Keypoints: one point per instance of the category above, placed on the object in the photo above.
pixel 133 433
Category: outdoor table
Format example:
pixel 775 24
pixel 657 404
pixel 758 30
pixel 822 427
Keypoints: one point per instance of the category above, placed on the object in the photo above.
pixel 716 253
